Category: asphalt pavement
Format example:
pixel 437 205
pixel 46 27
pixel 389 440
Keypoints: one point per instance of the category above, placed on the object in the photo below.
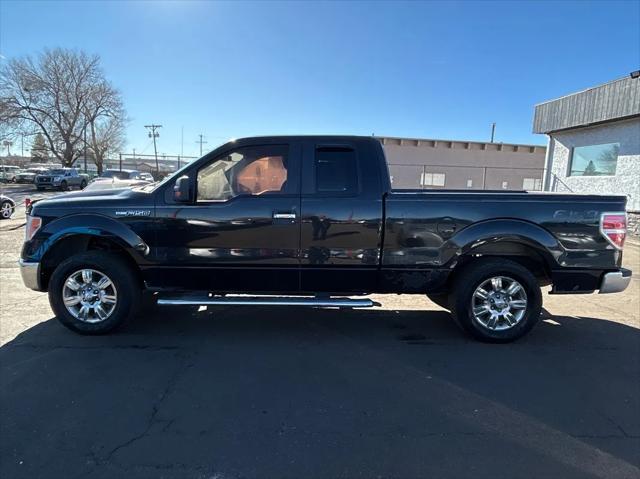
pixel 398 391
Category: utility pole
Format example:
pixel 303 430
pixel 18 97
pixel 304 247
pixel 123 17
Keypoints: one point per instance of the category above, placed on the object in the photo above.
pixel 201 141
pixel 153 134
pixel 85 145
pixel 493 131
pixel 8 144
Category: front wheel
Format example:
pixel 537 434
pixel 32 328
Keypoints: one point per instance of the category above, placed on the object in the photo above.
pixel 64 186
pixel 94 292
pixel 496 300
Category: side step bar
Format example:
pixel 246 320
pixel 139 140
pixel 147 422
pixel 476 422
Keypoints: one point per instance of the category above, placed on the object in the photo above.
pixel 315 302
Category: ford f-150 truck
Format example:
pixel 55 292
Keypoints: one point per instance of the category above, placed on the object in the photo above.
pixel 313 221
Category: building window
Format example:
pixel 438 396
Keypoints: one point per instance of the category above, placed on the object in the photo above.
pixel 432 179
pixel 532 184
pixel 469 183
pixel 505 185
pixel 594 160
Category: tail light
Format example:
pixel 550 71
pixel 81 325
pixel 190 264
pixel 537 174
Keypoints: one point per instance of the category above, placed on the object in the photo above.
pixel 613 226
pixel 33 225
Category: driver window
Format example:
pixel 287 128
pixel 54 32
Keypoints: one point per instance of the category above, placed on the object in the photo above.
pixel 254 170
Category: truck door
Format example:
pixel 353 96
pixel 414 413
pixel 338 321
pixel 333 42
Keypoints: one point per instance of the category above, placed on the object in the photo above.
pixel 242 233
pixel 341 217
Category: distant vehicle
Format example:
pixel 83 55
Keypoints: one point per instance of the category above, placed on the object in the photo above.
pixel 114 184
pixel 8 173
pixel 7 207
pixel 114 179
pixel 29 175
pixel 61 179
pixel 125 175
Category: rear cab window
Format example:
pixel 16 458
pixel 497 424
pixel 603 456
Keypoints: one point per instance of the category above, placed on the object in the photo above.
pixel 336 171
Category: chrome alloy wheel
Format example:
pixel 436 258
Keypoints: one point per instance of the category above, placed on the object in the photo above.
pixel 89 295
pixel 6 210
pixel 499 303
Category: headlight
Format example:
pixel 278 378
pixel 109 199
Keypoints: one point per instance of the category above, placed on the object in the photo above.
pixel 32 227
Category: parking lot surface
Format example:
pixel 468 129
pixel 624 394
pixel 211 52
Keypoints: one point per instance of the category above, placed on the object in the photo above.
pixel 397 391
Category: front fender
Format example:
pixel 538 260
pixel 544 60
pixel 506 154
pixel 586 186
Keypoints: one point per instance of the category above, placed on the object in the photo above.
pixel 86 224
pixel 503 230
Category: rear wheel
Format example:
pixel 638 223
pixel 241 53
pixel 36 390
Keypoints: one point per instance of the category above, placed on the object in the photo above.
pixel 83 184
pixel 94 292
pixel 496 300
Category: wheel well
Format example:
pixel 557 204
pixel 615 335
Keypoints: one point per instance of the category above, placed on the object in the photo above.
pixel 519 253
pixel 71 245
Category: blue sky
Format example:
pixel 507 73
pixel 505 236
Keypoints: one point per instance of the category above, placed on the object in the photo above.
pixel 429 70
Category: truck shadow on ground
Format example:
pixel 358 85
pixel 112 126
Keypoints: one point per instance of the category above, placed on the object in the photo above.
pixel 272 392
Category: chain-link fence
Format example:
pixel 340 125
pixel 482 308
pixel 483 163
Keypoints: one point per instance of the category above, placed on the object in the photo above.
pixel 465 177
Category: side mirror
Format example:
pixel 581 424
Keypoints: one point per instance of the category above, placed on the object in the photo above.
pixel 182 190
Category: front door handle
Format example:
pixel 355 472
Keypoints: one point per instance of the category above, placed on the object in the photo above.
pixel 284 216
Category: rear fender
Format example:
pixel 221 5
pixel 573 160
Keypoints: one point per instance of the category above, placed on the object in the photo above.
pixel 503 230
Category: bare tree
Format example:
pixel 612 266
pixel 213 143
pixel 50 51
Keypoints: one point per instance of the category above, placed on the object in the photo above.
pixel 106 117
pixel 54 93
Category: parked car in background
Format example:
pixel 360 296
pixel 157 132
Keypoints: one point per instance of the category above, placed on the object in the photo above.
pixel 125 175
pixel 114 179
pixel 114 184
pixel 29 175
pixel 61 179
pixel 8 173
pixel 7 207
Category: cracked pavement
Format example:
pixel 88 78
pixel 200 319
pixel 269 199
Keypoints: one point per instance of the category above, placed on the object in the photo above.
pixel 397 391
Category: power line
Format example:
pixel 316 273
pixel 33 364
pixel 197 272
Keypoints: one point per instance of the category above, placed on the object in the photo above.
pixel 201 141
pixel 153 134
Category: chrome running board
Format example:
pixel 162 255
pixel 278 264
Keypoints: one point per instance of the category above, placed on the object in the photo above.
pixel 315 302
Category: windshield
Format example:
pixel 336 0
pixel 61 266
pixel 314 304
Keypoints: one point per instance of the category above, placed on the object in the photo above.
pixel 57 171
pixel 167 178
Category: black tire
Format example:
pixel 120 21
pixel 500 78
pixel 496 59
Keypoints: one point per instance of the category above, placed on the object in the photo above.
pixel 64 186
pixel 5 207
pixel 441 299
pixel 83 184
pixel 120 274
pixel 477 273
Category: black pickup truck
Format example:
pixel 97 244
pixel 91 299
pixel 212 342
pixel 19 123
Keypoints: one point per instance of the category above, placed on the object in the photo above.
pixel 313 221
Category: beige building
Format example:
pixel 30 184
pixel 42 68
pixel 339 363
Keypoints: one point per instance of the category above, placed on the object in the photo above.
pixel 452 164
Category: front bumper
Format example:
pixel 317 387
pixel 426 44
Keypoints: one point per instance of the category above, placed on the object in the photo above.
pixel 616 281
pixel 30 273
